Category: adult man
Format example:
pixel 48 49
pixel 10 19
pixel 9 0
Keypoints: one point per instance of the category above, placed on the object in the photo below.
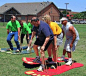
pixel 58 38
pixel 72 38
pixel 25 30
pixel 45 37
pixel 13 29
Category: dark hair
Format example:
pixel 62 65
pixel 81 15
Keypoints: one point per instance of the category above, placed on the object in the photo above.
pixel 35 20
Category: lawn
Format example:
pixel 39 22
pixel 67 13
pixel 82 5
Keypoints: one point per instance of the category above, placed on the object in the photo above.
pixel 12 65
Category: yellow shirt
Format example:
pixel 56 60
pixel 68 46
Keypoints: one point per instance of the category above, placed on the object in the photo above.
pixel 55 28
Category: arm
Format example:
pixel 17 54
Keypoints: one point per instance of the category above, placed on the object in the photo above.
pixel 27 35
pixel 72 30
pixel 19 33
pixel 45 42
pixel 7 31
pixel 33 34
pixel 63 33
pixel 28 31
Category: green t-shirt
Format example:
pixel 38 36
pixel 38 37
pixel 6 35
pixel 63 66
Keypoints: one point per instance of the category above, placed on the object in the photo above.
pixel 30 25
pixel 13 26
pixel 25 28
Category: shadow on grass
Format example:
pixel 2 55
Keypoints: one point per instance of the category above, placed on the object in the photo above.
pixel 37 65
pixel 30 66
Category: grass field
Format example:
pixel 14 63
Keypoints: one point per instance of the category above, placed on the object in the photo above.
pixel 12 65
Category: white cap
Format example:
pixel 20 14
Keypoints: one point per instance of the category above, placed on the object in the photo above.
pixel 63 18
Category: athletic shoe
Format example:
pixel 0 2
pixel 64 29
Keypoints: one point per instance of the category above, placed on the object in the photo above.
pixel 17 51
pixel 54 66
pixel 9 49
pixel 28 48
pixel 49 60
pixel 69 62
pixel 61 59
pixel 36 60
pixel 41 68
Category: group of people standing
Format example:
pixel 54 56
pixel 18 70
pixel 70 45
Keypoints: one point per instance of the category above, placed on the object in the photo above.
pixel 18 29
pixel 49 37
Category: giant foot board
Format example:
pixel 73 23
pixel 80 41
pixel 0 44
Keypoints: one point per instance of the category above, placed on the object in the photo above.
pixel 51 72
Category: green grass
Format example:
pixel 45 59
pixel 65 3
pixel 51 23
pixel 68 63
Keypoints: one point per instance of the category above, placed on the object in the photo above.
pixel 12 65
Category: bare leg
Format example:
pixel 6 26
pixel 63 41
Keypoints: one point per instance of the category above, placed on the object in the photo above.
pixel 70 59
pixel 55 54
pixel 64 52
pixel 50 50
pixel 35 47
pixel 69 54
pixel 42 56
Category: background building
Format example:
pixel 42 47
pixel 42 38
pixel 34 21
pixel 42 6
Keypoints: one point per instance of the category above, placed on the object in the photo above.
pixel 25 11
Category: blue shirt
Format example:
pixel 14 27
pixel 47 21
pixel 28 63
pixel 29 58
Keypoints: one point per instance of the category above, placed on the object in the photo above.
pixel 43 31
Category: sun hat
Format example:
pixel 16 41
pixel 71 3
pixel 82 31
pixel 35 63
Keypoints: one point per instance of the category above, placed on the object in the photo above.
pixel 63 18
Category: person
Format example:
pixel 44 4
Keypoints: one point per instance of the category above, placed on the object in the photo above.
pixel 25 30
pixel 58 39
pixel 29 24
pixel 72 38
pixel 44 38
pixel 13 29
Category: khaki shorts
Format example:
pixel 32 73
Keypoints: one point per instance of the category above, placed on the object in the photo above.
pixel 67 45
pixel 59 39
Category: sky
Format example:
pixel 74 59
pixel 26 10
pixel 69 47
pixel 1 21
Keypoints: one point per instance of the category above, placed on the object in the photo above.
pixel 74 5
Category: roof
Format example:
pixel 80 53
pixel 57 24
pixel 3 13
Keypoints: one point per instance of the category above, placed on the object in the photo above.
pixel 64 9
pixel 25 8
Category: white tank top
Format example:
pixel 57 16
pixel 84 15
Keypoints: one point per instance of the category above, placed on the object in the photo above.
pixel 68 33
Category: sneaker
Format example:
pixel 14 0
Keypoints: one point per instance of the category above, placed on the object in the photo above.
pixel 54 66
pixel 36 60
pixel 17 51
pixel 28 48
pixel 9 49
pixel 61 59
pixel 69 62
pixel 41 68
pixel 49 60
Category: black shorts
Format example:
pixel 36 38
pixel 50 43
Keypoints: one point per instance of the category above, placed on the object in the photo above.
pixel 40 43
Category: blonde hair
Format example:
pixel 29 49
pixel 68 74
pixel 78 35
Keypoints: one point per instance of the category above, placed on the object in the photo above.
pixel 46 18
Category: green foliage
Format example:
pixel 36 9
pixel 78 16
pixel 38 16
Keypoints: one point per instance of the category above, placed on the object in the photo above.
pixel 81 15
pixel 64 13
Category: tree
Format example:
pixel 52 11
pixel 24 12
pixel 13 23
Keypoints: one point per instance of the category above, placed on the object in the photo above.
pixel 64 13
pixel 81 15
